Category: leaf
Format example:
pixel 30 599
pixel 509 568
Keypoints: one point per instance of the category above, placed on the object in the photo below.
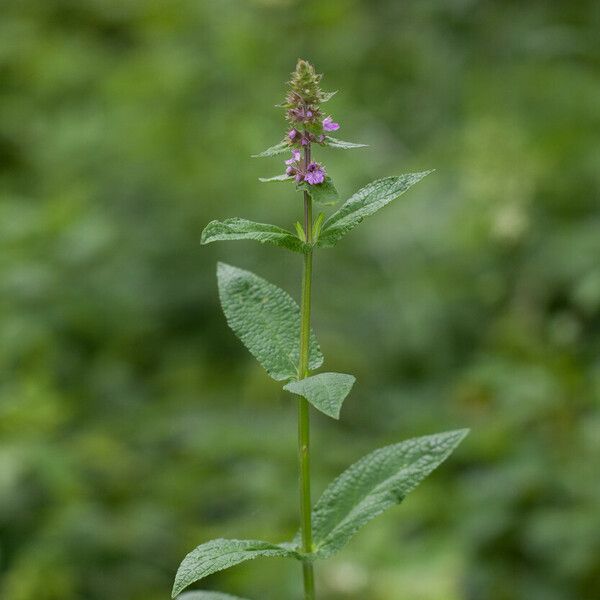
pixel 364 203
pixel 326 96
pixel 373 484
pixel 202 595
pixel 322 193
pixel 335 143
pixel 273 150
pixel 220 554
pixel 325 391
pixel 283 177
pixel 267 321
pixel 242 229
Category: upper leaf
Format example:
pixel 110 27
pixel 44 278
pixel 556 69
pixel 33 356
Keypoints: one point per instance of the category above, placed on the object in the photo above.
pixel 325 391
pixel 326 96
pixel 373 484
pixel 282 177
pixel 365 202
pixel 202 595
pixel 335 143
pixel 242 229
pixel 273 150
pixel 322 193
pixel 266 319
pixel 220 554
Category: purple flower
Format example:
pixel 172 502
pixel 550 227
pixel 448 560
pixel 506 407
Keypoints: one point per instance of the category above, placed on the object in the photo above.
pixel 292 134
pixel 330 125
pixel 295 157
pixel 314 173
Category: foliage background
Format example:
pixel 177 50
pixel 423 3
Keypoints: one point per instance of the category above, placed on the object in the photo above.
pixel 134 426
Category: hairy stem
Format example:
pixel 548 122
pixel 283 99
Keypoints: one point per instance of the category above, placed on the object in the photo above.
pixel 303 406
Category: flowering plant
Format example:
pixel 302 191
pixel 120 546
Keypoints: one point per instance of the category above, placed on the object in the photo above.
pixel 278 333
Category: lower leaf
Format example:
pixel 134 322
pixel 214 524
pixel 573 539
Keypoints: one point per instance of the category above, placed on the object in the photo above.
pixel 220 554
pixel 375 483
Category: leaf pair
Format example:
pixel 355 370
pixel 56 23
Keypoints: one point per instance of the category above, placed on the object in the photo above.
pixel 363 203
pixel 365 490
pixel 284 146
pixel 267 321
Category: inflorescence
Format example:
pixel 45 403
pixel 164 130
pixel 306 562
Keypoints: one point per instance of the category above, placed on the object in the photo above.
pixel 308 125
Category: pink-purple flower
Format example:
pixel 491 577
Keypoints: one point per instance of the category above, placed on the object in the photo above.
pixel 330 125
pixel 315 173
pixel 295 157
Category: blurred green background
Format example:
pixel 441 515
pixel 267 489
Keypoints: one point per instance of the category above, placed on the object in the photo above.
pixel 133 425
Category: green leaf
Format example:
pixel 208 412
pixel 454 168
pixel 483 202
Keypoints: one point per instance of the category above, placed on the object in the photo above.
pixel 242 229
pixel 364 203
pixel 322 193
pixel 202 595
pixel 375 483
pixel 283 177
pixel 326 96
pixel 220 554
pixel 273 150
pixel 267 321
pixel 325 391
pixel 335 143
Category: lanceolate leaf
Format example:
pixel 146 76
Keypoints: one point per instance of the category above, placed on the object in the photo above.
pixel 325 391
pixel 375 483
pixel 220 554
pixel 365 202
pixel 322 193
pixel 242 229
pixel 335 143
pixel 266 319
pixel 273 150
pixel 201 595
pixel 283 177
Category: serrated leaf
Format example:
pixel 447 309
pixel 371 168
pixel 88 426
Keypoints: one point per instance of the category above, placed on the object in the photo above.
pixel 325 391
pixel 273 150
pixel 220 554
pixel 375 483
pixel 242 229
pixel 205 595
pixel 322 193
pixel 283 177
pixel 335 143
pixel 267 321
pixel 364 203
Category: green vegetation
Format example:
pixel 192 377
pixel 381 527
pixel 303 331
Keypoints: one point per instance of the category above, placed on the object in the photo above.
pixel 132 422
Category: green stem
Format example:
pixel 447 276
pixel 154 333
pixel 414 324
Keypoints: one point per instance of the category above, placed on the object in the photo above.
pixel 303 406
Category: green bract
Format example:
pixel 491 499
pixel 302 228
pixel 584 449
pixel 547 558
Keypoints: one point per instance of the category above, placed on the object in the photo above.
pixel 323 193
pixel 334 143
pixel 273 150
pixel 267 321
pixel 275 178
